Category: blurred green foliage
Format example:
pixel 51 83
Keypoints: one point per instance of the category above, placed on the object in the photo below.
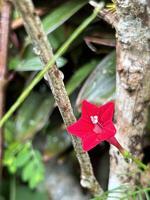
pixel 61 14
pixel 26 193
pixel 100 85
pixel 126 193
pixel 23 156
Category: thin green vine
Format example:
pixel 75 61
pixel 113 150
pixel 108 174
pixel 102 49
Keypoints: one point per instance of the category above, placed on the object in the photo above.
pixel 59 53
pixel 127 155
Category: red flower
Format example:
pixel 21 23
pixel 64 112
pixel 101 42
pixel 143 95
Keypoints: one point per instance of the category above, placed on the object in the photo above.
pixel 95 125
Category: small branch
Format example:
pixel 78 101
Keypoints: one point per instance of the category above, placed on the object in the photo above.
pixel 44 51
pixel 107 15
pixel 4 37
pixel 99 40
pixel 17 23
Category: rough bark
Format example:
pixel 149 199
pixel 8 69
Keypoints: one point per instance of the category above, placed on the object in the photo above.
pixel 132 86
pixel 54 77
pixel 109 17
pixel 105 14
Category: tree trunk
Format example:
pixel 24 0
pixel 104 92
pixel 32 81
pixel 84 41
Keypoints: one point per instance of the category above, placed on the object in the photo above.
pixel 132 86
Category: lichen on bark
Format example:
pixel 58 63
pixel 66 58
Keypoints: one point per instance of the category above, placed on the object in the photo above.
pixel 132 86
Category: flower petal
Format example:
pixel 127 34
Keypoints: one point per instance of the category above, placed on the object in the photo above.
pixel 106 112
pixel 108 131
pixel 89 142
pixel 88 110
pixel 109 126
pixel 92 133
pixel 115 142
pixel 80 128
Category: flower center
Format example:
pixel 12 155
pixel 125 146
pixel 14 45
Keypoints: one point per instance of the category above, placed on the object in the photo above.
pixel 94 119
pixel 97 125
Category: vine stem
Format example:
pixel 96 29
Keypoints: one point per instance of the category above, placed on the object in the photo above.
pixel 12 188
pixel 54 77
pixel 127 155
pixel 41 74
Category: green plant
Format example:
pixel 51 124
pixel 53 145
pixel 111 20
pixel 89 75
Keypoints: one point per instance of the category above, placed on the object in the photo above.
pixel 126 193
pixel 22 157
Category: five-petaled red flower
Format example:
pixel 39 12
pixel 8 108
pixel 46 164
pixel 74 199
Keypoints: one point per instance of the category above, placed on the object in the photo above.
pixel 95 125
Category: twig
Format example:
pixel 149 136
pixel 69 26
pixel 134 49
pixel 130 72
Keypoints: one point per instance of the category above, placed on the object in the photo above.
pixel 99 40
pixel 107 15
pixel 17 23
pixel 4 37
pixel 44 51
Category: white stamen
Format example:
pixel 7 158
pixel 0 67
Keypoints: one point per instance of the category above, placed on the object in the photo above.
pixel 94 119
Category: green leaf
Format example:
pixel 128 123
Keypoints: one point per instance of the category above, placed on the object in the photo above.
pixel 57 37
pixel 28 171
pixel 34 170
pixel 140 196
pixel 2 198
pixel 60 62
pixel 10 154
pixel 29 161
pixel 100 86
pixel 9 130
pixel 126 192
pixel 33 64
pixel 61 14
pixel 80 75
pixel 33 114
pixel 36 178
pixel 147 195
pixel 23 192
pixel 23 156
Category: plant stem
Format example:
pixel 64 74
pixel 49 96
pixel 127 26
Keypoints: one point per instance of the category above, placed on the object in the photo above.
pixel 12 188
pixel 54 76
pixel 4 37
pixel 127 155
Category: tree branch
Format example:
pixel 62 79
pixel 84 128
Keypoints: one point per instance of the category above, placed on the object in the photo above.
pixel 4 37
pixel 109 17
pixel 133 87
pixel 44 51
